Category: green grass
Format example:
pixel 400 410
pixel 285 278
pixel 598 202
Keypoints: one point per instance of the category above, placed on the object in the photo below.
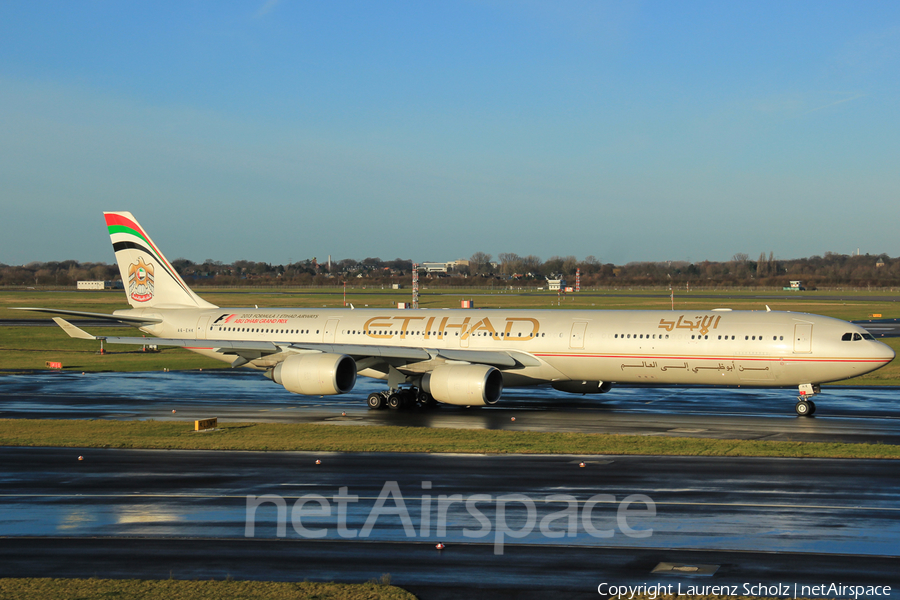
pixel 334 438
pixel 29 348
pixel 171 589
pixel 850 306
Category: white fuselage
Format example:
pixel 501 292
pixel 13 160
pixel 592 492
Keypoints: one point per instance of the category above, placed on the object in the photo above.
pixel 719 347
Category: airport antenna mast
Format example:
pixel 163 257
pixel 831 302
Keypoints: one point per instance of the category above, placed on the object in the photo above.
pixel 415 286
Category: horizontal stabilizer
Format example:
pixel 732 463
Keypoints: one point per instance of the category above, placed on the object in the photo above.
pixel 73 331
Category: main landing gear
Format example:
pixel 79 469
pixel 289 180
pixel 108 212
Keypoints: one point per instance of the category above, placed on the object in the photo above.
pixel 805 407
pixel 400 398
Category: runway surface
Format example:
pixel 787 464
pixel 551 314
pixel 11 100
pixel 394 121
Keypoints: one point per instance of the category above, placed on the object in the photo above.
pixel 865 414
pixel 158 513
pixel 134 513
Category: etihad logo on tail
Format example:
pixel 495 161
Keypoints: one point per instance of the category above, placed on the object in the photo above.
pixel 140 281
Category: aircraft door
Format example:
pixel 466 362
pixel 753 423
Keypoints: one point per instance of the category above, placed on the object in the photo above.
pixel 330 329
pixel 576 340
pixel 202 324
pixel 464 334
pixel 803 338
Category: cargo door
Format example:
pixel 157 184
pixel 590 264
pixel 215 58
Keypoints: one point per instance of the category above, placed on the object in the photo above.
pixel 803 338
pixel 576 340
pixel 330 329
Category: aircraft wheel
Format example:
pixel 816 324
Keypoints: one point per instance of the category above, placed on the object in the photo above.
pixel 394 401
pixel 375 401
pixel 803 408
pixel 812 407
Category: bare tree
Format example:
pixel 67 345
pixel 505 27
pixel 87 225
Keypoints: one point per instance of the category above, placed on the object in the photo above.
pixel 480 262
pixel 509 262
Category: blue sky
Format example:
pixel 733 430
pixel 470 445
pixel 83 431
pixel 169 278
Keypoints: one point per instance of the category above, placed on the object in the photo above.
pixel 282 130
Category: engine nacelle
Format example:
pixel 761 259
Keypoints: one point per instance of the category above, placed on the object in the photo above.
pixel 316 374
pixel 464 385
pixel 582 387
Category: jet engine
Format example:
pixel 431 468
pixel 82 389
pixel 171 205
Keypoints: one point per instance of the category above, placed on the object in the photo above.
pixel 316 374
pixel 464 384
pixel 582 387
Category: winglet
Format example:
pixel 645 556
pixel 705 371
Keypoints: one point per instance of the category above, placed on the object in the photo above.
pixel 73 331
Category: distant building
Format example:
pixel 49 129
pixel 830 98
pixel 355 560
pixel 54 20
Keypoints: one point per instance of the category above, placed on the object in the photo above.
pixel 443 267
pixel 99 285
pixel 554 285
pixel 434 267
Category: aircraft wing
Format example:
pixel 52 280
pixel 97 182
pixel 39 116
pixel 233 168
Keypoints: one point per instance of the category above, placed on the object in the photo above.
pixel 105 317
pixel 502 359
pixel 249 350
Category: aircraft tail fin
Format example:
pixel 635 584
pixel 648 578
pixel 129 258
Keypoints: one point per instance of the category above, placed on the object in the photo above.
pixel 150 280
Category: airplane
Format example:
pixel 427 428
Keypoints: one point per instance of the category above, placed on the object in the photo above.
pixel 467 357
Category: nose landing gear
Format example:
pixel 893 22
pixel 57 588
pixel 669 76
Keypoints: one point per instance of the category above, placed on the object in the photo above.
pixel 805 407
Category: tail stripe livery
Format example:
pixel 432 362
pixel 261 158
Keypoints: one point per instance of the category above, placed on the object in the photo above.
pixel 119 224
pixel 136 254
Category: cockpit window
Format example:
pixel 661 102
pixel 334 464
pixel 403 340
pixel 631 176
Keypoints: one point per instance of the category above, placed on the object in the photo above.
pixel 856 337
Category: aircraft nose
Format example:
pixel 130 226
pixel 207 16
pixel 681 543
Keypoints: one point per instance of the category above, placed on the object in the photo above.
pixel 887 352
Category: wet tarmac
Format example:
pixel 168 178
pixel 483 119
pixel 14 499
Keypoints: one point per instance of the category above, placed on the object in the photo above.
pixel 139 513
pixel 864 414
pixel 527 522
